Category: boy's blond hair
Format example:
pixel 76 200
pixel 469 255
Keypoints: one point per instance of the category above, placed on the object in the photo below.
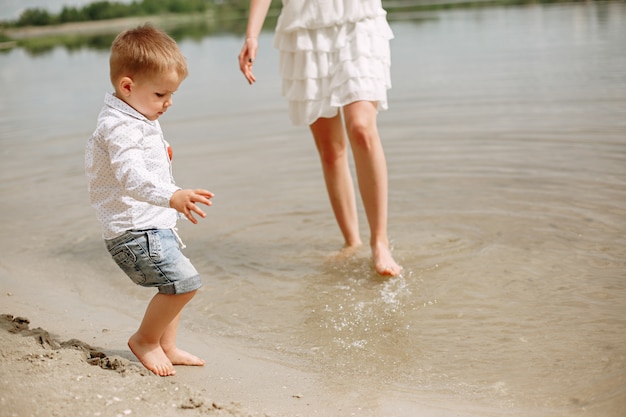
pixel 145 51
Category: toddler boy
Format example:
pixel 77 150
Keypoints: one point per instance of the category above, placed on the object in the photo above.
pixel 132 189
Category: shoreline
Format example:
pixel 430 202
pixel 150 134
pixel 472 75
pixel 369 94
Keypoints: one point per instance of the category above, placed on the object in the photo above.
pixel 103 27
pixel 62 355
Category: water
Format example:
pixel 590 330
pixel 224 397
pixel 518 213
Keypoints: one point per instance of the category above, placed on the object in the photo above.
pixel 506 144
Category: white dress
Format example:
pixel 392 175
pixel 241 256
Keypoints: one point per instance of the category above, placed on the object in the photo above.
pixel 332 53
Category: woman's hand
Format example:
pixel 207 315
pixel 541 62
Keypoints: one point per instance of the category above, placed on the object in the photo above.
pixel 247 57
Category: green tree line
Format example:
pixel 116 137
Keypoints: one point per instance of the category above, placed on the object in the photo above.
pixel 102 10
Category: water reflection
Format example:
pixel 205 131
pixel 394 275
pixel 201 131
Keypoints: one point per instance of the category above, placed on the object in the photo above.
pixel 197 28
pixel 102 42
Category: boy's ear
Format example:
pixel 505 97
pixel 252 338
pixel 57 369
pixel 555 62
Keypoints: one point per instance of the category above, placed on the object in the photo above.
pixel 125 86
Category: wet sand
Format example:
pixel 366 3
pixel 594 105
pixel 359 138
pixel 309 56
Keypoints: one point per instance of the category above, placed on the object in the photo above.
pixel 43 374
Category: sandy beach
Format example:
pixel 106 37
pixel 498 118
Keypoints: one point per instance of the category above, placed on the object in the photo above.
pixel 44 376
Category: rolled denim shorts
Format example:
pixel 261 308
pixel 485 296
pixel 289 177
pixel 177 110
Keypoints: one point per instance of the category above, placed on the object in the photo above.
pixel 152 258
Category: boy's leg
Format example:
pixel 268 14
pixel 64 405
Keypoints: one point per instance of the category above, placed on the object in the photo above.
pixel 146 342
pixel 371 169
pixel 331 144
pixel 175 355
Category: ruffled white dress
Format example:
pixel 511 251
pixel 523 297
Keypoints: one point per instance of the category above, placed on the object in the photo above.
pixel 332 53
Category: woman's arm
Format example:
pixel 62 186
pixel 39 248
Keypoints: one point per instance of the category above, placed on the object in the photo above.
pixel 258 12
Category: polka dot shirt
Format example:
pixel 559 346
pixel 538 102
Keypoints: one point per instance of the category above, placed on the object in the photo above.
pixel 128 170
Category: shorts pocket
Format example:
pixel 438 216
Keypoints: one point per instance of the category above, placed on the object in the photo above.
pixel 126 259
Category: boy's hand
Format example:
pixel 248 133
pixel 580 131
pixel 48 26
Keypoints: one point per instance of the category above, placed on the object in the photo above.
pixel 185 201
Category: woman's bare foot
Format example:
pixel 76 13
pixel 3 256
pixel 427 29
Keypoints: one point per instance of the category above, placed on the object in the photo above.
pixel 151 356
pixel 384 262
pixel 345 253
pixel 181 357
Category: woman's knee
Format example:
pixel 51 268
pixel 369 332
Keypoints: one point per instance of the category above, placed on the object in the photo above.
pixel 361 125
pixel 329 140
pixel 362 135
pixel 332 153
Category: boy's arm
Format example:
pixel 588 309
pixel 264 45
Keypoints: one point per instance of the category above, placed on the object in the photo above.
pixel 128 162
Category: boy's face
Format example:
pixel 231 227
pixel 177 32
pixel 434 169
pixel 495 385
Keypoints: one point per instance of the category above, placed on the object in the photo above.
pixel 150 96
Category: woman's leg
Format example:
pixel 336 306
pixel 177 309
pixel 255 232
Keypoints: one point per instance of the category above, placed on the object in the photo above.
pixel 371 170
pixel 331 144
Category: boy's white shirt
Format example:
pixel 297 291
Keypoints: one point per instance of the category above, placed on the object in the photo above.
pixel 129 173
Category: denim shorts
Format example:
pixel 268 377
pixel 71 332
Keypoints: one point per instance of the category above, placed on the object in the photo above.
pixel 152 258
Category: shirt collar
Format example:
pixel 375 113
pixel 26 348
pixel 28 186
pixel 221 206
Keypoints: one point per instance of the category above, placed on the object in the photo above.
pixel 120 105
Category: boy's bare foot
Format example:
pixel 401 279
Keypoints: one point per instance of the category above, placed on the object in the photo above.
pixel 384 262
pixel 151 356
pixel 181 357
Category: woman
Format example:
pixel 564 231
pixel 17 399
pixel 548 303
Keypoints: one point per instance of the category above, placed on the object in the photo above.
pixel 334 55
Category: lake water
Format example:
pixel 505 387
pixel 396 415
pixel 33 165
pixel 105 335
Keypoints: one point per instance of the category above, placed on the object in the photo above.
pixel 506 145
